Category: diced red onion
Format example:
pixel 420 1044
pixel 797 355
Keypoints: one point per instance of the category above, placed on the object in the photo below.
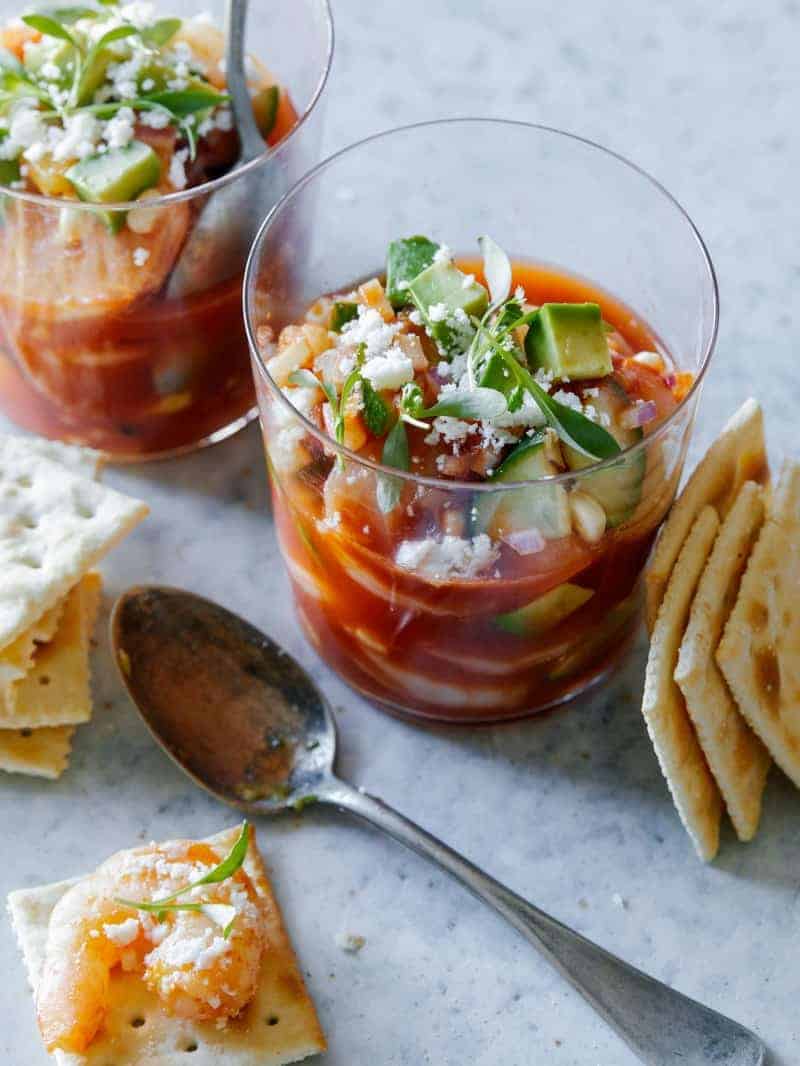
pixel 640 415
pixel 526 541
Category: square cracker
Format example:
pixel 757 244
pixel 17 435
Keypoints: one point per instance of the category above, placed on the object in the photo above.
pixel 54 526
pixel 83 461
pixel 738 454
pixel 680 756
pixel 738 759
pixel 759 654
pixel 252 1039
pixel 17 658
pixel 36 752
pixel 55 691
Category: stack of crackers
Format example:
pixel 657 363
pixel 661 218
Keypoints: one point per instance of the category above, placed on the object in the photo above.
pixel 56 523
pixel 722 687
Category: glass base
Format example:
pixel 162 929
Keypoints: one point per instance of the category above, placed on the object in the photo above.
pixel 219 435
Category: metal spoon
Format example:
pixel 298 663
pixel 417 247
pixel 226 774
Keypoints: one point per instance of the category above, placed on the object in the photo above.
pixel 245 721
pixel 220 238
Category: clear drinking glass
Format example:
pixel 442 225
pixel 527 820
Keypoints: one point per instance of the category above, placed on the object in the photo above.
pixel 439 649
pixel 133 343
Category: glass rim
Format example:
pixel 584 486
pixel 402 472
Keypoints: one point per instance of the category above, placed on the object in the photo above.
pixel 207 187
pixel 447 483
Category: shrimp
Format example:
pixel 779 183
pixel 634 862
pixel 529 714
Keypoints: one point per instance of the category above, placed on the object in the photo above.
pixel 184 959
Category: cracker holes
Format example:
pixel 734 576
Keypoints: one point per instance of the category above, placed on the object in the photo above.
pixel 83 510
pixel 27 521
pixel 24 481
pixel 137 1022
pixel 44 679
pixel 273 1019
pixel 31 562
pixel 191 1046
pixel 26 732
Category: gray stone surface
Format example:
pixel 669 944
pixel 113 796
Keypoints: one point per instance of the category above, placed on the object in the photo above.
pixel 570 810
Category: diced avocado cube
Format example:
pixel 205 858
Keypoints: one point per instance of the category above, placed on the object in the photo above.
pixel 443 283
pixel 343 312
pixel 406 258
pixel 448 299
pixel 119 175
pixel 265 109
pixel 9 171
pixel 546 612
pixel 50 50
pixel 569 340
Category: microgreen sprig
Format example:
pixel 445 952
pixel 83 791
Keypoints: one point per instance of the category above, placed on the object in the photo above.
pixel 395 454
pixel 224 870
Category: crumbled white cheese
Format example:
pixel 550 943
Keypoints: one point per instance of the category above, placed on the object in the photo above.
pixel 370 329
pixel 568 399
pixel 140 256
pixel 351 943
pixel 390 371
pixel 448 557
pixel 438 312
pixel 122 933
pixel 469 279
pixel 543 377
pixel 527 414
pixel 118 131
pixel 156 120
pixel 519 294
pixel 78 139
pixel 443 254
pixel 177 168
pixel 450 430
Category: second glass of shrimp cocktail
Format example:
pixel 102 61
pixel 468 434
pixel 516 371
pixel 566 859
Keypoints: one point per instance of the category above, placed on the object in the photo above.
pixel 127 212
pixel 478 348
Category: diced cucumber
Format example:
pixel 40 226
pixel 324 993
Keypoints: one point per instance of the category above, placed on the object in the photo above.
pixel 406 258
pixel 618 488
pixel 116 177
pixel 343 312
pixel 545 612
pixel 542 506
pixel 570 341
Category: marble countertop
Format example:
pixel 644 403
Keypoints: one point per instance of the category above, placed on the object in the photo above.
pixel 570 810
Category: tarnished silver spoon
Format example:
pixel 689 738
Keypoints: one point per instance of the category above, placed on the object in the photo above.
pixel 246 722
pixel 217 246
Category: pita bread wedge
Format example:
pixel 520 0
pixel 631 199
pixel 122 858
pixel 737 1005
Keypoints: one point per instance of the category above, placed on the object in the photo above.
pixel 737 758
pixel 54 526
pixel 36 752
pixel 279 1025
pixel 737 455
pixel 55 691
pixel 680 756
pixel 759 654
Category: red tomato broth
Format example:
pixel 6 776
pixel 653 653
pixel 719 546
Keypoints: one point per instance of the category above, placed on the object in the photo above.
pixel 433 648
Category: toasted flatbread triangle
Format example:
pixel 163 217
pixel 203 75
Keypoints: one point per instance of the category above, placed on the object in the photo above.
pixel 54 526
pixel 55 691
pixel 279 1026
pixel 737 758
pixel 680 756
pixel 759 654
pixel 738 454
pixel 36 752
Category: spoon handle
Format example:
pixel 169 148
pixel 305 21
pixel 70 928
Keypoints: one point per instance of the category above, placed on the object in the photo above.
pixel 660 1025
pixel 252 143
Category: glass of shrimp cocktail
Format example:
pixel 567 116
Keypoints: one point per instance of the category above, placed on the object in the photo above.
pixel 478 348
pixel 126 219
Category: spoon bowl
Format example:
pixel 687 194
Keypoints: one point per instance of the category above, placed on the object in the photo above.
pixel 237 713
pixel 246 722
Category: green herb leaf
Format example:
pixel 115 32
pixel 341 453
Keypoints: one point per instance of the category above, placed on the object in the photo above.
pixel 69 15
pixel 304 379
pixel 50 27
pixel 376 410
pixel 188 101
pixel 231 863
pixel 158 907
pixel 496 270
pixel 468 403
pixel 117 34
pixel 406 259
pixel 395 454
pixel 342 313
pixel 350 383
pixel 572 427
pixel 412 401
pixel 161 32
